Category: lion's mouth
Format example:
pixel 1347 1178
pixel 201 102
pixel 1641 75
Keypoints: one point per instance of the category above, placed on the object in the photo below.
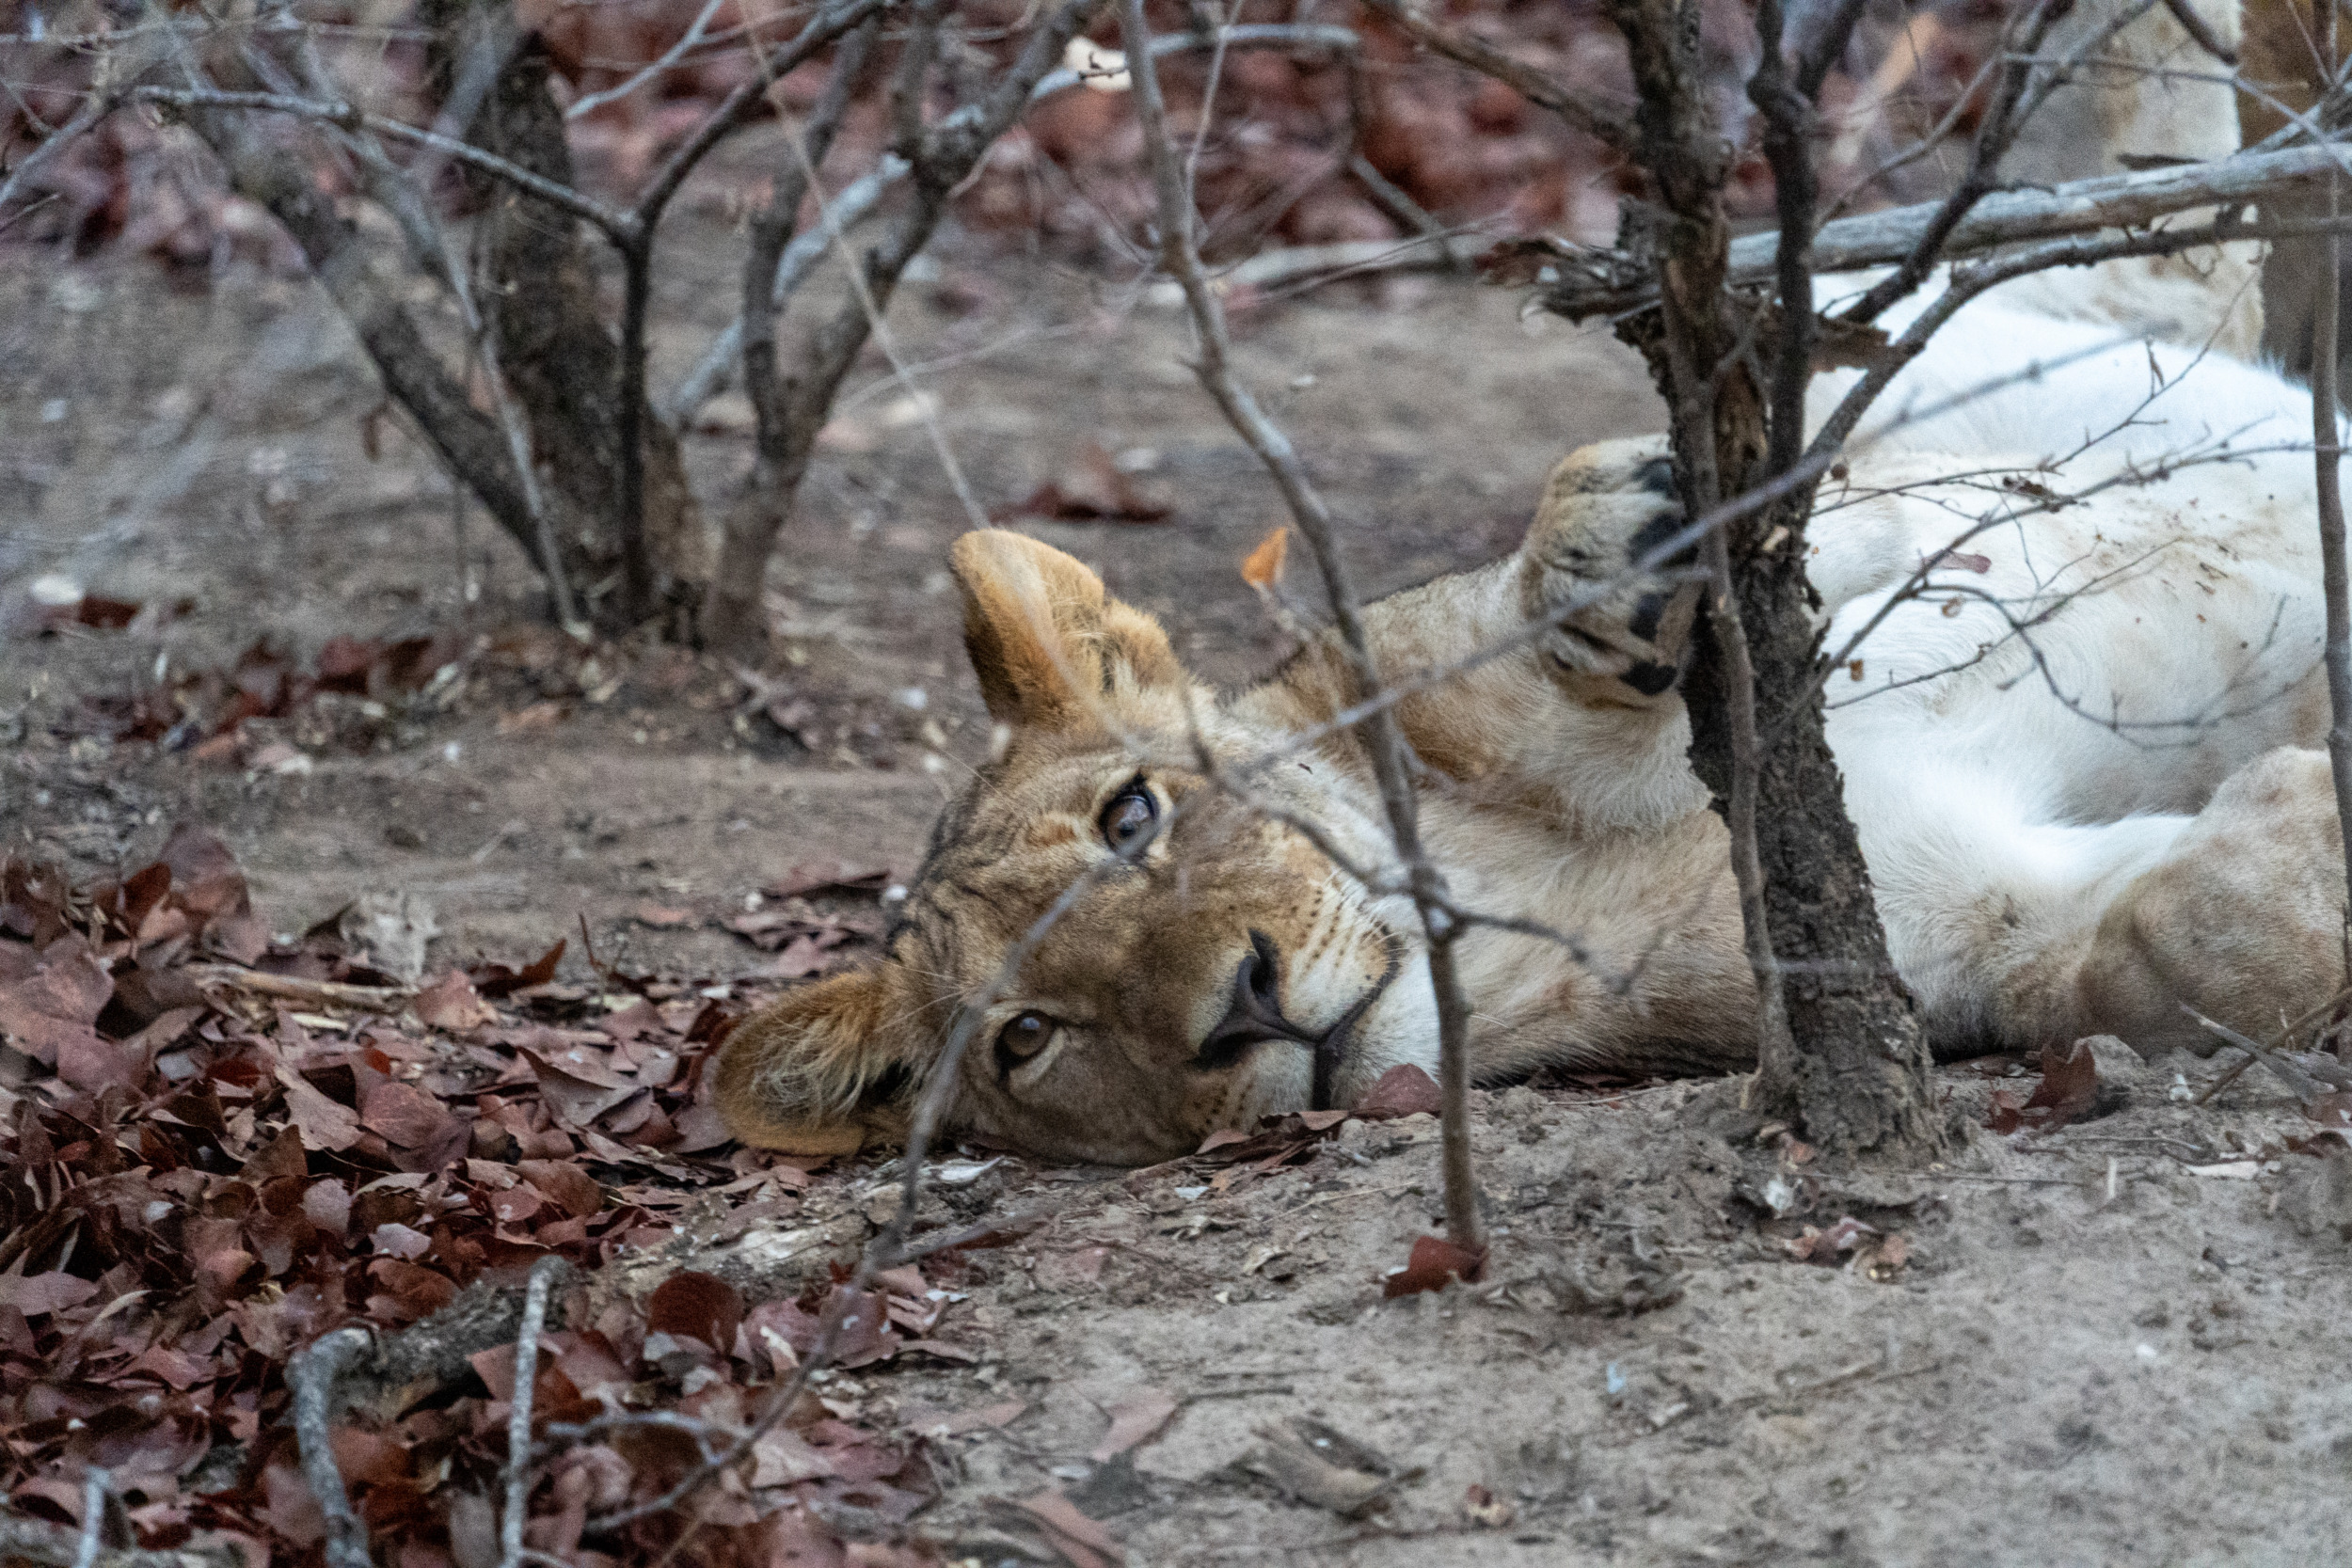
pixel 1255 1016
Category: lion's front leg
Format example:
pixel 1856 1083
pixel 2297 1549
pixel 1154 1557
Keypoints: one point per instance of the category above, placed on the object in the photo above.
pixel 1619 630
pixel 2244 920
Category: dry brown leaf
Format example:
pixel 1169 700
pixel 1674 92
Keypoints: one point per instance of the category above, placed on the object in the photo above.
pixel 1136 1418
pixel 327 1124
pixel 2068 1092
pixel 1081 1541
pixel 700 1304
pixel 1402 1091
pixel 1262 568
pixel 452 1002
pixel 1435 1264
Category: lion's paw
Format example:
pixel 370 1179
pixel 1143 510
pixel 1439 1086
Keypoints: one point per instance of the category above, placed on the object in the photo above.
pixel 2244 919
pixel 1605 508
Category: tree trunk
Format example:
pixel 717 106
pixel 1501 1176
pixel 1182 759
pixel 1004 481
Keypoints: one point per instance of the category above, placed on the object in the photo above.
pixel 1854 1072
pixel 561 362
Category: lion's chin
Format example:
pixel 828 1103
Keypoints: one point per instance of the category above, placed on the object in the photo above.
pixel 1399 1029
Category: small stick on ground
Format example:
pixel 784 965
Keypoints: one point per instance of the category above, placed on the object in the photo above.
pixel 1384 739
pixel 2305 1086
pixel 314 1375
pixel 48 1545
pixel 93 1517
pixel 2277 1040
pixel 518 1467
pixel 288 988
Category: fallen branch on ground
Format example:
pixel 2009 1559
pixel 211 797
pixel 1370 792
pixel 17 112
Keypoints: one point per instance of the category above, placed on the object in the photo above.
pixel 293 987
pixel 48 1545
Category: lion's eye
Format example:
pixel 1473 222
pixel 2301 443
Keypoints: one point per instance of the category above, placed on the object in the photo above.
pixel 1129 817
pixel 1024 1037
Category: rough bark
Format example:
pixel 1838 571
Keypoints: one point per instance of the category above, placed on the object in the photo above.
pixel 561 362
pixel 1858 1071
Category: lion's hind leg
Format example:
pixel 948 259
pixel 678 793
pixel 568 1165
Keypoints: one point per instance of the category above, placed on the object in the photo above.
pixel 2015 933
pixel 2244 920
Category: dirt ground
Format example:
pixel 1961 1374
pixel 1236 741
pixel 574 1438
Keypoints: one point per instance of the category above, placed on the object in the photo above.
pixel 2115 1345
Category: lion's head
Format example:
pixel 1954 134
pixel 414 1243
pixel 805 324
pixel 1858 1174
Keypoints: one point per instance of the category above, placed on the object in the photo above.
pixel 1203 965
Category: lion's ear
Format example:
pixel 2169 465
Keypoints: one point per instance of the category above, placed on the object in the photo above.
pixel 820 1070
pixel 1049 646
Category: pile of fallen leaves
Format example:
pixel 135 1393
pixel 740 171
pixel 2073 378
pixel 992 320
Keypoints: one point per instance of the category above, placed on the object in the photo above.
pixel 353 695
pixel 221 1144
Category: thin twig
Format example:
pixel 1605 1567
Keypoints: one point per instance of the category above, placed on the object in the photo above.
pixel 2327 441
pixel 734 620
pixel 860 197
pixel 2277 1040
pixel 2197 28
pixel 709 374
pixel 635 246
pixel 926 407
pixel 1611 129
pixel 519 1469
pixel 94 1493
pixel 294 988
pixel 1384 739
pixel 315 1375
pixel 2306 1087
pixel 888 1249
pixel 590 102
pixel 2012 105
pixel 616 225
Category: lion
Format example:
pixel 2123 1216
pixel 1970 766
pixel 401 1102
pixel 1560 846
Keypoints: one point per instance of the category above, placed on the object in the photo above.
pixel 2076 743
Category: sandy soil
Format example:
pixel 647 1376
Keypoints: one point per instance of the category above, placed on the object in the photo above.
pixel 2089 1352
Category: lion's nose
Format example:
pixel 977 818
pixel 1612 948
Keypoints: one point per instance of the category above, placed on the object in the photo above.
pixel 1254 1015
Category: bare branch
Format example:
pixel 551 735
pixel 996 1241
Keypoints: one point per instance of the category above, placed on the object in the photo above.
pixel 2327 439
pixel 771 229
pixel 850 205
pixel 94 108
pixel 1596 281
pixel 2197 27
pixel 857 198
pixel 2011 105
pixel 822 29
pixel 1969 282
pixel 315 1375
pixel 1384 739
pixel 406 198
pixel 38 1542
pixel 2304 1087
pixel 617 225
pixel 1609 127
pixel 2286 1033
pixel 519 1469
pixel 589 103
pixel 734 622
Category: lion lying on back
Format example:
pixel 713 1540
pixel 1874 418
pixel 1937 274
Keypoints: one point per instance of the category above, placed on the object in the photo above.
pixel 2072 759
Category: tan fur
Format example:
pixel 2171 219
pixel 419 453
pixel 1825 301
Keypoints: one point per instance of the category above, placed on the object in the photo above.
pixel 2053 855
